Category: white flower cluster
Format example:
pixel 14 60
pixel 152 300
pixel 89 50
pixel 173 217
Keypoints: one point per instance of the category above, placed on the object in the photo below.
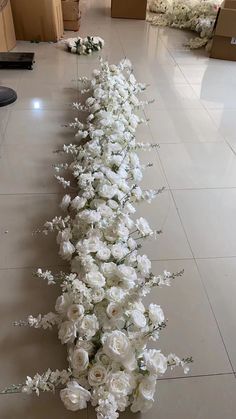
pixel 196 15
pixel 84 46
pixel 100 314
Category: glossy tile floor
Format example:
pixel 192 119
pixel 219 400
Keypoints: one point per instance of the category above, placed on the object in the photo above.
pixel 194 121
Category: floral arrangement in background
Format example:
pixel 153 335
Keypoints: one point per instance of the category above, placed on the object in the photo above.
pixel 196 15
pixel 100 314
pixel 84 46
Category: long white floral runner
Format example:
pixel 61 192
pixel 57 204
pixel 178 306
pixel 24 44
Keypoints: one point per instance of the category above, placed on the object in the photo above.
pixel 195 15
pixel 100 315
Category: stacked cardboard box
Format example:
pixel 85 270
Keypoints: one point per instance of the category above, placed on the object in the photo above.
pixel 129 9
pixel 7 32
pixel 37 20
pixel 224 39
pixel 71 14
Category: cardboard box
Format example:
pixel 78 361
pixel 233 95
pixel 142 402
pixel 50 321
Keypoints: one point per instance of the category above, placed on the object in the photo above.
pixel 70 9
pixel 129 9
pixel 7 32
pixel 38 20
pixel 224 39
pixel 71 25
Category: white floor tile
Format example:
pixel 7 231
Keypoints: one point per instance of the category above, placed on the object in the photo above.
pixel 205 165
pixel 173 96
pixel 216 95
pixel 214 71
pixel 162 215
pixel 218 276
pixel 33 94
pixel 40 127
pixel 183 336
pixel 48 405
pixel 225 122
pixel 26 351
pixel 181 125
pixel 20 216
pixel 157 75
pixel 209 220
pixel 32 174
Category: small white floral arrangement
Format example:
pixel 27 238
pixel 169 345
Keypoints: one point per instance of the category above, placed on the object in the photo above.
pixel 84 46
pixel 196 15
pixel 100 315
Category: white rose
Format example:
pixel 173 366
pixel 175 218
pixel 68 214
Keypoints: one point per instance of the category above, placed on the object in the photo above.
pixel 78 203
pixel 121 383
pixel 123 232
pixel 75 312
pixel 109 270
pixel 98 295
pixel 66 200
pixel 103 253
pixel 102 358
pixel 107 191
pixel 97 375
pixel 138 305
pixel 114 310
pixel 66 250
pixel 105 211
pixel 112 204
pixel 98 93
pixel 155 361
pixel 118 347
pixel 67 332
pixel 95 279
pixel 128 275
pixel 145 399
pixel 87 345
pixel 119 250
pixel 144 265
pixel 89 326
pixel 115 294
pixel 74 396
pixel 80 360
pixel 156 314
pixel 63 303
pixel 90 216
pixel 143 227
pixel 147 387
pixel 92 244
pixel 138 319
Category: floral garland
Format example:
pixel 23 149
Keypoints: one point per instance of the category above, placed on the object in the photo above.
pixel 84 46
pixel 196 15
pixel 99 314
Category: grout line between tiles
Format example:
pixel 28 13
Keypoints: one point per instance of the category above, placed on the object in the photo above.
pixel 204 288
pixel 188 377
pixel 213 312
pixel 33 267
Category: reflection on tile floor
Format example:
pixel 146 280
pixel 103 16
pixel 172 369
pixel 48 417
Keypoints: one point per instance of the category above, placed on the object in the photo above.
pixel 193 120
